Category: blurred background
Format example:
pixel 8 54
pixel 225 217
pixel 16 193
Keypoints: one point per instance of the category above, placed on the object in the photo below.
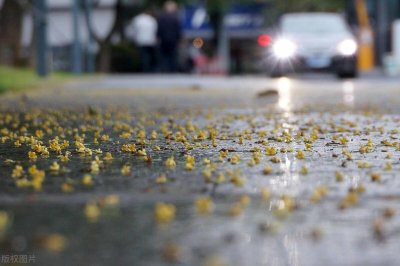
pixel 217 37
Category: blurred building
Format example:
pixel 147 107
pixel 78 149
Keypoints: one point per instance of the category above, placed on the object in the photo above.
pixel 60 28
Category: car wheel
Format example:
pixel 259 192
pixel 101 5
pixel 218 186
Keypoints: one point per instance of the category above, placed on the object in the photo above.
pixel 347 74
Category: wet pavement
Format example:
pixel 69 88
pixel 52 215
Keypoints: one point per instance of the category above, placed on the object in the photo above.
pixel 247 176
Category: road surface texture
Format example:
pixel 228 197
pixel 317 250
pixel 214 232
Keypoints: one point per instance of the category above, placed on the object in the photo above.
pixel 188 170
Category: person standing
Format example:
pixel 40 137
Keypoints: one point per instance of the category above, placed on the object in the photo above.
pixel 143 31
pixel 169 35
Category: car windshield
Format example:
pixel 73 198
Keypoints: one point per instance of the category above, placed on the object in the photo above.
pixel 313 23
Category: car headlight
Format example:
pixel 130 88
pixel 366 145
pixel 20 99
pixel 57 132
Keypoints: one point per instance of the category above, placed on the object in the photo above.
pixel 284 48
pixel 347 47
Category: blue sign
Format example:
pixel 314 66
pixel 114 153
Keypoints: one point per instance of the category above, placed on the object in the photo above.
pixel 195 18
pixel 245 17
pixel 239 17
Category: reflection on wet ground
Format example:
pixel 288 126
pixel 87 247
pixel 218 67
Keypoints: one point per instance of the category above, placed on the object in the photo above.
pixel 305 177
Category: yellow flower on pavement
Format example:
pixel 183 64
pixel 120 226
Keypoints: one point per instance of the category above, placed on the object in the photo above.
pixel 170 163
pixel 235 159
pixel 87 180
pixel 162 179
pixel 164 213
pixel 54 242
pixel 142 153
pixel 18 171
pixel 267 169
pixel 265 193
pixel 204 205
pixel 300 155
pixel 125 170
pixel 108 157
pixel 92 212
pixel 32 155
pixel 4 221
pixel 55 167
pixel 190 162
pixel 67 187
pixel 304 170
pixel 94 167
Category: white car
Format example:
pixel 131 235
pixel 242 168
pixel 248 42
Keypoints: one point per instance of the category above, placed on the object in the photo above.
pixel 313 41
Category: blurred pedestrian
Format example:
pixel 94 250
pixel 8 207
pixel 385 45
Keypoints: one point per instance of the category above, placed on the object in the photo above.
pixel 169 35
pixel 143 31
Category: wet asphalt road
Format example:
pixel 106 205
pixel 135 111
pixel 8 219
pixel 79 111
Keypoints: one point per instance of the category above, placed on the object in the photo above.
pixel 295 225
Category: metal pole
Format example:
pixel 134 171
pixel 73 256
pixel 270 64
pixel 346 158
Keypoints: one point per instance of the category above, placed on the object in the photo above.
pixel 90 45
pixel 41 37
pixel 76 46
pixel 381 29
pixel 224 42
pixel 224 47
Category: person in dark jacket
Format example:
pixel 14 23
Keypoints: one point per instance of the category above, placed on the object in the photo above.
pixel 169 35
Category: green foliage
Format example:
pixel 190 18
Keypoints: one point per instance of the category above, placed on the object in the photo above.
pixel 17 79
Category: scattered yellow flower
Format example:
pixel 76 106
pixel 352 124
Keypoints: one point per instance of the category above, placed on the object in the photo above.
pixel 125 170
pixel 265 193
pixel 17 172
pixel 204 205
pixel 236 209
pixel 67 187
pixel 235 159
pixel 108 157
pixel 300 155
pixel 375 177
pixel 350 199
pixel 162 179
pixel 164 212
pixel 92 212
pixel 111 200
pixel 87 180
pixel 363 164
pixel 54 242
pixel 4 221
pixel 55 167
pixel 220 178
pixel 142 153
pixel 170 163
pixel 237 180
pixel 304 170
pixel 275 159
pixel 387 166
pixel 267 169
pixel 270 151
pixel 339 176
pixel 94 167
pixel 318 193
pixel 244 200
pixel 128 148
pixel 32 155
pixel 190 162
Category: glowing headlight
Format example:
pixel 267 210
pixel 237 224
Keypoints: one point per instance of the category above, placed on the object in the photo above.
pixel 347 47
pixel 284 49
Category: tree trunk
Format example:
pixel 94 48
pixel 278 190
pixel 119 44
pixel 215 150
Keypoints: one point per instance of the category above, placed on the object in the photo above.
pixel 11 15
pixel 104 57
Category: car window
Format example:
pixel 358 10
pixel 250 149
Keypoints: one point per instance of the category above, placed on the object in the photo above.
pixel 313 24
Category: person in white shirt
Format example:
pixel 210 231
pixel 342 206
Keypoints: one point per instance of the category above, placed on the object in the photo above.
pixel 143 31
